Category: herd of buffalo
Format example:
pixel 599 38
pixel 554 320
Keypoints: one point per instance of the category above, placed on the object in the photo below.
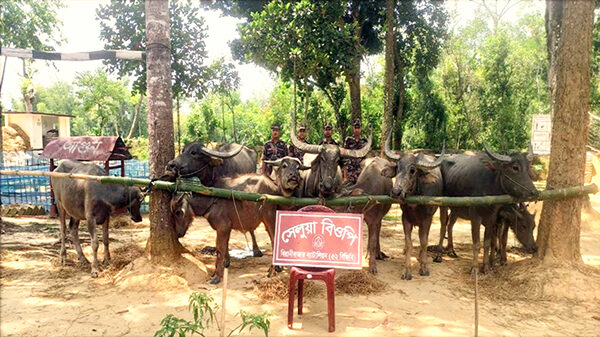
pixel 234 166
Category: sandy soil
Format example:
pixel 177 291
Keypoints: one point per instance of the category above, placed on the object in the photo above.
pixel 40 298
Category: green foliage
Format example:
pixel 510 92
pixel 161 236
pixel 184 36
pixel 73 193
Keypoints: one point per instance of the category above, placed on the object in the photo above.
pixel 138 148
pixel 492 81
pixel 204 312
pixel 123 26
pixel 104 107
pixel 30 24
pixel 57 98
pixel 258 321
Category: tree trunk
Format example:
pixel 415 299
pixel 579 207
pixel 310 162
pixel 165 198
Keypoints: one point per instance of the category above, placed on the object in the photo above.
pixel 223 119
pixel 162 244
pixel 138 107
pixel 353 73
pixel 388 90
pixel 178 127
pixel 231 107
pixel 399 79
pixel 569 25
pixel 306 100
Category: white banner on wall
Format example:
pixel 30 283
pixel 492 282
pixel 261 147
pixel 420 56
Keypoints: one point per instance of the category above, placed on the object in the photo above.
pixel 541 134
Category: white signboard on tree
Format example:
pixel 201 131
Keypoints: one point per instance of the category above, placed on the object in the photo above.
pixel 541 134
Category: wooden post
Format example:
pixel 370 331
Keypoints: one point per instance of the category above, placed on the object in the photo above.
pixel 476 320
pixel 224 302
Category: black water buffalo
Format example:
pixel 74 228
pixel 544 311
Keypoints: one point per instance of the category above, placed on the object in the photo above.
pixel 522 223
pixel 324 179
pixel 513 216
pixel 371 182
pixel 485 174
pixel 223 215
pixel 210 165
pixel 415 175
pixel 93 202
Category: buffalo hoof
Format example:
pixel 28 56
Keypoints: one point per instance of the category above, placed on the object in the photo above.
pixel 382 256
pixel 226 263
pixel 407 276
pixel 257 253
pixel 424 272
pixel 486 269
pixel 106 262
pixel 452 254
pixel 502 262
pixel 214 280
pixel 437 258
pixel 373 270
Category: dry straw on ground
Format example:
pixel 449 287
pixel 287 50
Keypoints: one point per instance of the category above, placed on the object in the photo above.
pixel 276 288
pixel 359 282
pixel 531 280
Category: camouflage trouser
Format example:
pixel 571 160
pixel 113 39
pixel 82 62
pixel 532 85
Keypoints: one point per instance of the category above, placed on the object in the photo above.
pixel 352 172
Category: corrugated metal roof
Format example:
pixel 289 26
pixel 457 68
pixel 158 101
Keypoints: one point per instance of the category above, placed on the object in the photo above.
pixel 87 148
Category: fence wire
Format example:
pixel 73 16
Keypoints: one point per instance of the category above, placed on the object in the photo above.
pixel 34 190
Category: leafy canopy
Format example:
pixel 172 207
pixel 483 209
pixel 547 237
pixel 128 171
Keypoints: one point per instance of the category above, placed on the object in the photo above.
pixel 123 26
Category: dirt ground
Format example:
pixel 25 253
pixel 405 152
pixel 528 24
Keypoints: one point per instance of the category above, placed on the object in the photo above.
pixel 41 298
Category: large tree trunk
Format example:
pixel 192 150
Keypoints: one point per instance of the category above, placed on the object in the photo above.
pixel 569 27
pixel 388 90
pixel 353 74
pixel 399 107
pixel 162 244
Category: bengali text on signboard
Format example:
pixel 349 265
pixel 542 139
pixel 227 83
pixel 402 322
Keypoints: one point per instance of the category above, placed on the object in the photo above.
pixel 315 239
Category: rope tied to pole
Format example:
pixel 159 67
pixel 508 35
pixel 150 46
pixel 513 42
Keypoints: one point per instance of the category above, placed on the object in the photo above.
pixel 239 219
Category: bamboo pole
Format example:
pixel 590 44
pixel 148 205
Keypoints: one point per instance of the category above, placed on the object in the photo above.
pixel 562 193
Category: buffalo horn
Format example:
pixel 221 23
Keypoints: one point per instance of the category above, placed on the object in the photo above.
pixel 274 163
pixel 277 162
pixel 304 147
pixel 360 152
pixel 422 164
pixel 388 150
pixel 215 153
pixel 496 156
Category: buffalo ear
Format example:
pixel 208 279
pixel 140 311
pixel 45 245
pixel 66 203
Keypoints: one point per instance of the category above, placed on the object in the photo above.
pixel 215 161
pixel 490 165
pixel 389 171
pixel 428 178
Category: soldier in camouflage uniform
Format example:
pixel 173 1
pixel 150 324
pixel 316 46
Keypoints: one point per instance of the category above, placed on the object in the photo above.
pixel 352 168
pixel 273 149
pixel 327 134
pixel 294 151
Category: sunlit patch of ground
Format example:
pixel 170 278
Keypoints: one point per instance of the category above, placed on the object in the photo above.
pixel 39 297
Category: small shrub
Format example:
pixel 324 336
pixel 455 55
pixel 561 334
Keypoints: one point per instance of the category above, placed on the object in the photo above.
pixel 204 311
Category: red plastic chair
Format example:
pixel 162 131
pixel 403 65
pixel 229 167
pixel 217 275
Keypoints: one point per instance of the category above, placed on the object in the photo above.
pixel 299 274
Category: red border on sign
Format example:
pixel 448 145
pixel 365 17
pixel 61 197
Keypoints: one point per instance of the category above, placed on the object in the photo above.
pixel 339 241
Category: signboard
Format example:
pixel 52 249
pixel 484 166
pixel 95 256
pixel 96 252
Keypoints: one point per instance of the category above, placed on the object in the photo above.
pixel 316 239
pixel 541 134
